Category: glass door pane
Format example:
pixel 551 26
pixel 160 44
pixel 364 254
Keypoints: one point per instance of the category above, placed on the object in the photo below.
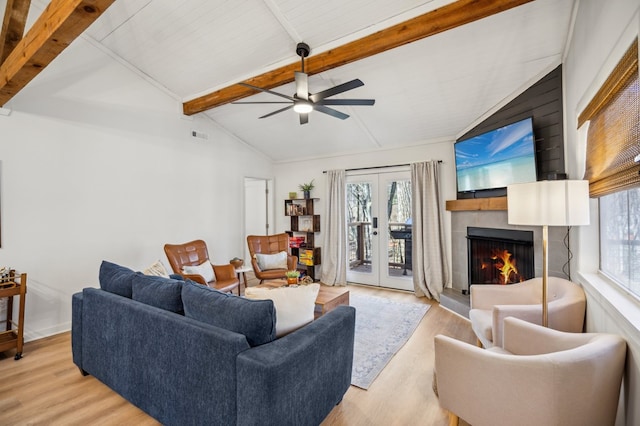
pixel 395 229
pixel 362 246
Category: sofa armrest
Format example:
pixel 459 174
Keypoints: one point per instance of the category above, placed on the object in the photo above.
pixel 76 329
pixel 299 378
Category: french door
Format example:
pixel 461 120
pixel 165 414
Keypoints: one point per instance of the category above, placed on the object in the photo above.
pixel 379 229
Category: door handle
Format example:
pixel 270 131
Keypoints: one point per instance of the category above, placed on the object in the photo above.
pixel 375 223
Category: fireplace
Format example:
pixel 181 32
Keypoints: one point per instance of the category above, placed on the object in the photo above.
pixel 499 256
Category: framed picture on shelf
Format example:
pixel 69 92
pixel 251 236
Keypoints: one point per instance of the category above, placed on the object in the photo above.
pixel 306 224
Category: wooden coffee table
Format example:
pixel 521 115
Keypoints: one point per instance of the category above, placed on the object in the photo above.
pixel 328 297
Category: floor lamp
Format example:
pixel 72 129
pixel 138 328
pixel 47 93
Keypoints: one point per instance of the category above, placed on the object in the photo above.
pixel 548 203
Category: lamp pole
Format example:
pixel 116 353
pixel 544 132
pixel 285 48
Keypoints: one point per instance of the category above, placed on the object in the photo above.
pixel 545 275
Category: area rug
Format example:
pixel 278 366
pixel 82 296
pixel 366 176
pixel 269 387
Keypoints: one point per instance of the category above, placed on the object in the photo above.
pixel 383 326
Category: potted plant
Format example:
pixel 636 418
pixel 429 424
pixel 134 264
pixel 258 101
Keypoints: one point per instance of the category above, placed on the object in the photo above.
pixel 292 277
pixel 306 188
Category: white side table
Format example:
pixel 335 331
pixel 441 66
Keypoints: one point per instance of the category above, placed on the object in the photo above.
pixel 243 270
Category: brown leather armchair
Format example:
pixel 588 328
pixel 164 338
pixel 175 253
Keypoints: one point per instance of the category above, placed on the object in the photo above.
pixel 270 244
pixel 195 253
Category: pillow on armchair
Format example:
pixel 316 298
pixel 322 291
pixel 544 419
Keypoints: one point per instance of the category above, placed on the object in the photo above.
pixel 204 269
pixel 272 261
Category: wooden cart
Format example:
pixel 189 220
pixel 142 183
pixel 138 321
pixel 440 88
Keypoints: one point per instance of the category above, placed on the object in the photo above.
pixel 10 286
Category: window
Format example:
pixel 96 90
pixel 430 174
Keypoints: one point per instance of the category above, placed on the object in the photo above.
pixel 620 238
pixel 613 169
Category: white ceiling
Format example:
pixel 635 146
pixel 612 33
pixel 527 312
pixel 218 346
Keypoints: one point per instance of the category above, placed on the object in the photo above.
pixel 429 90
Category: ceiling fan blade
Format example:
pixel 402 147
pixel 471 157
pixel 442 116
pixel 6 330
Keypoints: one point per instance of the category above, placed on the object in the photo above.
pixel 264 102
pixel 266 91
pixel 276 112
pixel 302 85
pixel 332 112
pixel 336 90
pixel 346 102
pixel 304 118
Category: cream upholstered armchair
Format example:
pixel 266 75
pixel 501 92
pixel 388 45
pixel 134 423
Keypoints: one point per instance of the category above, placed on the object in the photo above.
pixel 539 377
pixel 491 304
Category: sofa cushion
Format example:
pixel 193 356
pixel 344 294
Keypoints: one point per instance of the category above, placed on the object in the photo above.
pixel 294 305
pixel 115 278
pixel 163 293
pixel 204 269
pixel 272 261
pixel 255 319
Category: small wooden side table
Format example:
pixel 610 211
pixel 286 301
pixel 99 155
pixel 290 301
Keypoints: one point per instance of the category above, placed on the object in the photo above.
pixel 13 337
pixel 243 270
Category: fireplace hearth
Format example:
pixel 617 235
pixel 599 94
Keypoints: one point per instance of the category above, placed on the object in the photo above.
pixel 499 256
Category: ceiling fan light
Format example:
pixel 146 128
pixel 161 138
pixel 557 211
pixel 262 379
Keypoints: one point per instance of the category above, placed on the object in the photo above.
pixel 303 107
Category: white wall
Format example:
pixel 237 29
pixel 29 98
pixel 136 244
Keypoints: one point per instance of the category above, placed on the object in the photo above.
pixel 603 32
pixel 97 163
pixel 290 175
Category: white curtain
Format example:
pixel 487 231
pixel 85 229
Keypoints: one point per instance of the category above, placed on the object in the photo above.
pixel 334 247
pixel 430 263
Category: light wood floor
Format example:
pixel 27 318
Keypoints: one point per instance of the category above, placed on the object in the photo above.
pixel 46 388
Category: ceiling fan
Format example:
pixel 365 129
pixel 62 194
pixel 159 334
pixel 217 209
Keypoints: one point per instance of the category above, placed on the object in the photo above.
pixel 304 102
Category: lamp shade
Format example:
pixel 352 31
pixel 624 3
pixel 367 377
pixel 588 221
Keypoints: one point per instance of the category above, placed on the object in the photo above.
pixel 552 203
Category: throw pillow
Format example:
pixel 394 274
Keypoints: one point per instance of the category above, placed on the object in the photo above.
pixel 294 305
pixel 272 261
pixel 256 319
pixel 163 293
pixel 115 278
pixel 156 269
pixel 205 269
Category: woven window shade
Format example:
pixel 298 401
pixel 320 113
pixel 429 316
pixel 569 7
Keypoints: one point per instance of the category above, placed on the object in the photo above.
pixel 613 137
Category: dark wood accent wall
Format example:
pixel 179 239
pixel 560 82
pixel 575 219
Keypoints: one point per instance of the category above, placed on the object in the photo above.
pixel 543 102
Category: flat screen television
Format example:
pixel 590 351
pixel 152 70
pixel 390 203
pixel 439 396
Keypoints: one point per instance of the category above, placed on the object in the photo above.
pixel 496 158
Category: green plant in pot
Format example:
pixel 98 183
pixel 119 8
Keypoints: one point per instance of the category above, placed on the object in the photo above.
pixel 292 276
pixel 306 188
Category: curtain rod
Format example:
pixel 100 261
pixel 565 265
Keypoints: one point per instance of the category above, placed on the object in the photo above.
pixel 377 167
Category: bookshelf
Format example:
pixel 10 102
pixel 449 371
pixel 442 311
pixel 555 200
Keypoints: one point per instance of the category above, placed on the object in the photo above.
pixel 304 224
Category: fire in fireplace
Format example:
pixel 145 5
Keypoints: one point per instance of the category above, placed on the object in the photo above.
pixel 499 256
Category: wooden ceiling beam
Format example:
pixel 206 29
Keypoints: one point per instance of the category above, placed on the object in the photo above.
pixel 436 21
pixel 60 23
pixel 15 19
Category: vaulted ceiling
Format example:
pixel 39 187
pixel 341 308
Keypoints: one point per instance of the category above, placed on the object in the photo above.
pixel 453 64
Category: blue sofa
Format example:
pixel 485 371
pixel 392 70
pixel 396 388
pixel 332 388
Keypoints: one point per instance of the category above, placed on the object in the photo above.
pixel 189 355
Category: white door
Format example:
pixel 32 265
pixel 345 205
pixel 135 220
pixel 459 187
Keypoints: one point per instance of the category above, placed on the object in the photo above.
pixel 258 210
pixel 379 229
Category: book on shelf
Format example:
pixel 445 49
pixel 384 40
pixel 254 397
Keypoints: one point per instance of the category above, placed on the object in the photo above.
pixel 305 257
pixel 296 242
pixel 296 210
